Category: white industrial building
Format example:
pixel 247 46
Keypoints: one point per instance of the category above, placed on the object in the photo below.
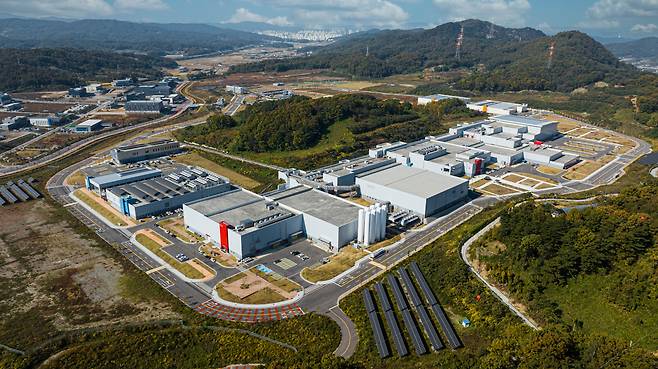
pixel 101 183
pixel 148 197
pixel 424 100
pixel 417 190
pixel 89 125
pixel 497 107
pixel 147 151
pixel 244 223
pixel 45 121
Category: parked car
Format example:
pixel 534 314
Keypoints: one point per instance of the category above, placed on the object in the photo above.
pixel 295 252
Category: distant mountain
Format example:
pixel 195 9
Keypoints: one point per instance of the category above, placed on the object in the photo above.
pixel 642 48
pixel 48 69
pixel 153 38
pixel 404 51
pixel 498 57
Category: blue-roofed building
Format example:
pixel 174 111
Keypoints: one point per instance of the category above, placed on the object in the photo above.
pixel 101 183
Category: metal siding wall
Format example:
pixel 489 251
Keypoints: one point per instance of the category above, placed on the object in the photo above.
pixel 347 233
pixel 317 228
pixel 200 224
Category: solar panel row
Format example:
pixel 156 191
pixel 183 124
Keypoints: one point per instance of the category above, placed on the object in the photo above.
pixel 425 319
pixel 7 195
pixel 376 325
pixel 453 339
pixel 28 189
pixel 392 321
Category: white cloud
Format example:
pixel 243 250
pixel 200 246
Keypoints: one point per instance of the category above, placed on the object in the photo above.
pixel 598 23
pixel 603 9
pixel 350 13
pixel 244 15
pixel 141 4
pixel 645 28
pixel 504 12
pixel 58 8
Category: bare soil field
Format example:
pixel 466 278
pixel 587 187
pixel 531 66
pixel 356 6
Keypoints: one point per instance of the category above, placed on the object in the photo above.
pixel 51 108
pixel 53 279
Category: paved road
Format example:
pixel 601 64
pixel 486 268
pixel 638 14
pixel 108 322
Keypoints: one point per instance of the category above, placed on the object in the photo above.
pixel 234 104
pixel 79 145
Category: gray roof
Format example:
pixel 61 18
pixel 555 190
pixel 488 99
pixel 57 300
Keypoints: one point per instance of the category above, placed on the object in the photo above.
pixel 318 204
pixel 142 145
pixel 125 175
pixel 414 181
pixel 524 120
pixel 235 206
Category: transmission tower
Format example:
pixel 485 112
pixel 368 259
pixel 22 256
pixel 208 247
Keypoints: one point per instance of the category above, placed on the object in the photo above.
pixel 551 52
pixel 491 34
pixel 458 46
pixel 367 50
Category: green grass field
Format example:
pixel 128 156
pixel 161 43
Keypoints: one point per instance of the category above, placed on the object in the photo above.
pixel 337 264
pixel 582 300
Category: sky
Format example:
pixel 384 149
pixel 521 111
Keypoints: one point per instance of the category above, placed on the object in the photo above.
pixel 628 18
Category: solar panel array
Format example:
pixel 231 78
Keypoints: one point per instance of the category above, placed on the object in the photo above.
pixel 376 325
pixel 409 322
pixel 453 339
pixel 425 319
pixel 15 192
pixel 392 321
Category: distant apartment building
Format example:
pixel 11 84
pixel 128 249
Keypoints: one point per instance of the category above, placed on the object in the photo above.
pixel 45 121
pixel 144 107
pixel 135 153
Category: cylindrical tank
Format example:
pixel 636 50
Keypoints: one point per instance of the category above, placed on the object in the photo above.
pixel 361 226
pixel 385 218
pixel 366 227
pixel 371 230
pixel 382 223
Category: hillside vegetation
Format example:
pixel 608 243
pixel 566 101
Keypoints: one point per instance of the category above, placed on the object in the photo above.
pixel 499 58
pixel 553 262
pixel 47 69
pixel 643 48
pixel 305 133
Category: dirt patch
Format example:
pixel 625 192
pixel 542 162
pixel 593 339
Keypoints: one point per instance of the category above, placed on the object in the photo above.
pixel 52 274
pixel 548 170
pixel 202 268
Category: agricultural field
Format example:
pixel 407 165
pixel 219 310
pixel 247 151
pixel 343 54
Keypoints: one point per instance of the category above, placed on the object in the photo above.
pixel 50 108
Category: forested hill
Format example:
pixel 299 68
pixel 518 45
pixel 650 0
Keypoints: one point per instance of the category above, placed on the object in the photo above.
pixel 578 61
pixel 501 58
pixel 404 51
pixel 47 69
pixel 96 34
pixel 642 48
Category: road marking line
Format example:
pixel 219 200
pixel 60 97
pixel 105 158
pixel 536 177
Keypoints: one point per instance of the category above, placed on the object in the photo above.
pixel 155 269
pixel 378 265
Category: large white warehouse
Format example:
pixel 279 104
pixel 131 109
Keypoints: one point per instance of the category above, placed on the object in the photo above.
pixel 420 191
pixel 244 223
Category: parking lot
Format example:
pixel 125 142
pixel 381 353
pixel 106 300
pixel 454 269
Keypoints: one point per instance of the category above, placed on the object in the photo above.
pixel 288 265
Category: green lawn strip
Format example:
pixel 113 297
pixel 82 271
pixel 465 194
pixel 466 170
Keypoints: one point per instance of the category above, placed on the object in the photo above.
pixel 187 270
pixel 107 214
